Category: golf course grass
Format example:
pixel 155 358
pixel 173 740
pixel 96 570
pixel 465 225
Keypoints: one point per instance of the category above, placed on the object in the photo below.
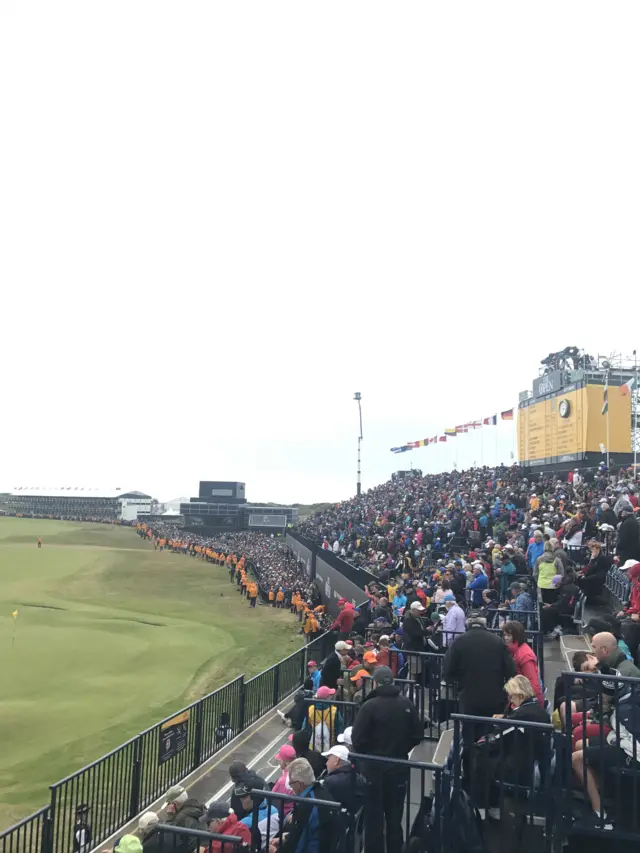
pixel 110 637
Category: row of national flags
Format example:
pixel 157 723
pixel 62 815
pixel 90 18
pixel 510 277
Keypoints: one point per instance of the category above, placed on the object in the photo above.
pixel 451 432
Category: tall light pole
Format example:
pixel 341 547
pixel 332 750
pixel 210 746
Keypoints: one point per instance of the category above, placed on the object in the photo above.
pixel 358 398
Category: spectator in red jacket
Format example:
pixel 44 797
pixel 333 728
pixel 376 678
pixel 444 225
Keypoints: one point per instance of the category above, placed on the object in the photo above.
pixel 523 656
pixel 344 622
pixel 223 821
pixel 632 569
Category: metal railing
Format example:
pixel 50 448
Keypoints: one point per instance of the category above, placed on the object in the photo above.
pixel 31 835
pixel 602 754
pixel 333 832
pixel 103 796
pixel 404 800
pixel 178 839
pixel 617 588
pixel 504 769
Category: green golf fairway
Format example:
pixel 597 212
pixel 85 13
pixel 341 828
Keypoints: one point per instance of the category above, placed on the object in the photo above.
pixel 110 637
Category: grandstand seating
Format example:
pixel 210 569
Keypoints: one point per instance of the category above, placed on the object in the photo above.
pixel 502 783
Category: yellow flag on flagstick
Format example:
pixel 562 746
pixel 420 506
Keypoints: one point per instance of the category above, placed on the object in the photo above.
pixel 15 614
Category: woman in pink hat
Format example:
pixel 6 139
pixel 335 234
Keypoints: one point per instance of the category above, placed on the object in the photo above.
pixel 285 756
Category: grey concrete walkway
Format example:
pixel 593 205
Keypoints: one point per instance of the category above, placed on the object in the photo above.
pixel 256 747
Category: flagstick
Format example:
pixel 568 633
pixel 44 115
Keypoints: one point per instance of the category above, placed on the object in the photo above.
pixel 13 639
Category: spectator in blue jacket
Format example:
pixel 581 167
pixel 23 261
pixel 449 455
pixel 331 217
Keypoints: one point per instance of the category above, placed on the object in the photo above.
pixel 479 583
pixel 535 549
pixel 506 572
pixel 521 601
pixel 399 602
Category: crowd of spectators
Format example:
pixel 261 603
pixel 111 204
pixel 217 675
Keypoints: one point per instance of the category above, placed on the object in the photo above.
pixel 465 564
pixel 409 519
pixel 262 565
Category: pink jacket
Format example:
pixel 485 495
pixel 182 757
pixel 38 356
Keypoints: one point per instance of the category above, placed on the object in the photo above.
pixel 527 664
pixel 282 787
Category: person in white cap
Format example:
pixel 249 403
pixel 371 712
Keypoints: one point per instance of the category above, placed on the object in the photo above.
pixel 414 634
pixel 151 840
pixel 332 666
pixel 345 737
pixel 342 784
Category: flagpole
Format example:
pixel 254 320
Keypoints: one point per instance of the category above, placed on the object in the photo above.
pixel 496 441
pixel 481 448
pixel 607 385
pixel 634 401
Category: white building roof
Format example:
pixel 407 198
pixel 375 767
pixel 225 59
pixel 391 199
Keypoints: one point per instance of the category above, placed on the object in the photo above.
pixel 70 492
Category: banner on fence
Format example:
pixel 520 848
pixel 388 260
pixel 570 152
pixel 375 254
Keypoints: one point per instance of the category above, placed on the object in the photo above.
pixel 173 736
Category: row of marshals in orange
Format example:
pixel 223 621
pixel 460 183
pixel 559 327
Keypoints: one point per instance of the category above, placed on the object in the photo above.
pixel 311 625
pixel 276 598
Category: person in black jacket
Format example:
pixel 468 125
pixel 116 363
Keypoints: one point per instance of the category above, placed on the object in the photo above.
pixel 592 578
pixel 387 725
pixel 480 664
pixel 240 773
pixel 564 605
pixel 151 839
pixel 309 828
pixel 332 666
pixel 414 634
pixel 518 559
pixel 300 741
pixel 341 783
pixel 508 755
pixel 361 622
pixel 628 542
pixel 608 516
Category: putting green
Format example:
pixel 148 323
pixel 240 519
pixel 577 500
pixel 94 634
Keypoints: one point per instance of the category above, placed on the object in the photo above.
pixel 111 636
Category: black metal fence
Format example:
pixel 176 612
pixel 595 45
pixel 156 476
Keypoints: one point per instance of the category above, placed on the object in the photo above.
pixel 503 769
pixel 177 839
pixel 617 588
pixel 406 801
pixel 103 796
pixel 333 832
pixel 602 755
pixel 31 835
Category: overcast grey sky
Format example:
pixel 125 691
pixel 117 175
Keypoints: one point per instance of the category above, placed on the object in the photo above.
pixel 218 220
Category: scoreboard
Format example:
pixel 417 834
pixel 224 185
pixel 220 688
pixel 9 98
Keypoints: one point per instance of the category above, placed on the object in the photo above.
pixel 567 423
